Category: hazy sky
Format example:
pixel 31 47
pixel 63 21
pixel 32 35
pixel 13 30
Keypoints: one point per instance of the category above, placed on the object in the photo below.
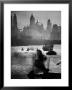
pixel 23 17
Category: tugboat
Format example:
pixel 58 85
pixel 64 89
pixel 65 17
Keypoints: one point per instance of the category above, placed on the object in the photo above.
pixel 47 47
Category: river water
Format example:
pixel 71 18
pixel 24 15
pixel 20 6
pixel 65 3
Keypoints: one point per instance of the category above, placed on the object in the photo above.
pixel 33 48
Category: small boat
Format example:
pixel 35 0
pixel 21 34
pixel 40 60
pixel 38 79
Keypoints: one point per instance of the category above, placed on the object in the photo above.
pixel 48 47
pixel 22 49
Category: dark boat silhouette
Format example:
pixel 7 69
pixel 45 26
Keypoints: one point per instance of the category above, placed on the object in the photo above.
pixel 51 53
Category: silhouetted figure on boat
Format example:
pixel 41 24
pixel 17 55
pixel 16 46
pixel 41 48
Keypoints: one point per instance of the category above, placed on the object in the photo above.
pixel 39 64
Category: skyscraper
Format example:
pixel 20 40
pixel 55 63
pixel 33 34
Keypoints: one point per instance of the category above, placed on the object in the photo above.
pixel 32 20
pixel 49 25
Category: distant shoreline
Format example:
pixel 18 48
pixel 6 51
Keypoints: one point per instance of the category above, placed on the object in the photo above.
pixel 34 42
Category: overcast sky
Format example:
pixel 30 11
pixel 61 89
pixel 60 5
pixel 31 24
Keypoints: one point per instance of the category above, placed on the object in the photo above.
pixel 23 17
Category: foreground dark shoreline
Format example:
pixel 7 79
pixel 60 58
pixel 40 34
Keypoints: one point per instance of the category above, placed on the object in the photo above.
pixel 37 76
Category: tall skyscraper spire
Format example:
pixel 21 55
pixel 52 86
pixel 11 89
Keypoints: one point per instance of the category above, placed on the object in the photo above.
pixel 32 19
pixel 49 25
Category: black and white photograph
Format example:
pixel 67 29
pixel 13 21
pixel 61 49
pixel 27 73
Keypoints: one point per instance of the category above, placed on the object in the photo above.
pixel 35 44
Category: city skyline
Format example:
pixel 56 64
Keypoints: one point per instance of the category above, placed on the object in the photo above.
pixel 23 17
pixel 34 33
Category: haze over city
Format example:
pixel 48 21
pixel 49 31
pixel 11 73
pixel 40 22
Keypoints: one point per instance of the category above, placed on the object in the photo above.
pixel 35 27
pixel 42 16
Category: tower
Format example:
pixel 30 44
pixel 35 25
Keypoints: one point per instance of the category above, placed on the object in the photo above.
pixel 49 25
pixel 15 20
pixel 32 20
